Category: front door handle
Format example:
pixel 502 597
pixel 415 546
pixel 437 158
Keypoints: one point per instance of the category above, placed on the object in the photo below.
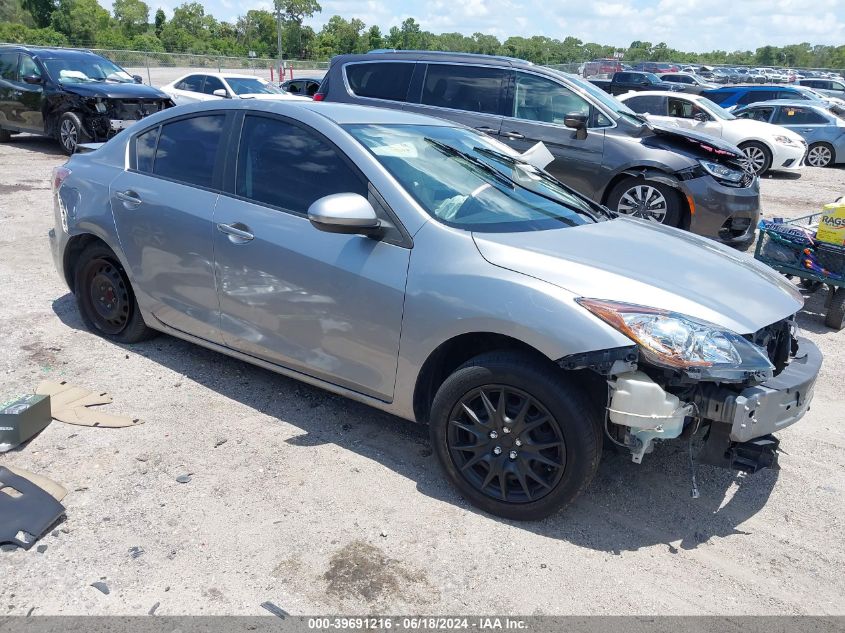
pixel 238 233
pixel 514 136
pixel 486 130
pixel 129 198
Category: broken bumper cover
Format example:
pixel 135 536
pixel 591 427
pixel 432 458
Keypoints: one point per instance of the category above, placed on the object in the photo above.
pixel 769 407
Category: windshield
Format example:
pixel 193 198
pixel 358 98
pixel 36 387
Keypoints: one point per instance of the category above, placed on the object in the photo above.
pixel 86 69
pixel 252 86
pixel 467 180
pixel 716 110
pixel 652 78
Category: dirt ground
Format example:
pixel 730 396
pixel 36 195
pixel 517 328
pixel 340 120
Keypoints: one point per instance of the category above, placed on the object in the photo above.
pixel 321 505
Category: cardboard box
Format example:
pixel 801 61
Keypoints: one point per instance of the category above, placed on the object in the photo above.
pixel 21 418
pixel 832 224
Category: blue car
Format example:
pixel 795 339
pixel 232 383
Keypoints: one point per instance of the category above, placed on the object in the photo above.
pixel 730 97
pixel 821 125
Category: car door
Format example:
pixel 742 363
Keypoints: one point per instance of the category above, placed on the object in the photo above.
pixel 537 108
pixel 9 100
pixel 323 304
pixel 31 91
pixel 163 210
pixel 803 120
pixel 467 94
pixel 189 90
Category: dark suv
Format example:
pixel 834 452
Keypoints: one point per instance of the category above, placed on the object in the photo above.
pixel 70 95
pixel 600 147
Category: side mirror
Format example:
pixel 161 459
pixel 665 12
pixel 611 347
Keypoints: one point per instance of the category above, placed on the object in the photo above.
pixel 347 213
pixel 138 79
pixel 221 92
pixel 31 79
pixel 700 117
pixel 577 122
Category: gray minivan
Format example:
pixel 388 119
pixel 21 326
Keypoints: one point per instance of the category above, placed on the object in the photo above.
pixel 601 148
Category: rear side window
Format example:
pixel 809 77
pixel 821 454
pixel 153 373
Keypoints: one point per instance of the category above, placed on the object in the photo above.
pixel 470 88
pixel 9 66
pixel 753 96
pixel 286 166
pixel 794 115
pixel 647 104
pixel 145 147
pixel 212 84
pixel 382 80
pixel 192 83
pixel 187 149
pixel 720 97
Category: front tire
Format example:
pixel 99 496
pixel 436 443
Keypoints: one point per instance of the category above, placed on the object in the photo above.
pixel 5 136
pixel 71 133
pixel 820 155
pixel 758 158
pixel 514 436
pixel 105 298
pixel 646 199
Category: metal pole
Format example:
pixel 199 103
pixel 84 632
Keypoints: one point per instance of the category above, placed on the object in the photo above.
pixel 279 34
pixel 149 77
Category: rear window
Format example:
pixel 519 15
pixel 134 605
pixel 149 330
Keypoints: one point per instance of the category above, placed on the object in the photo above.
pixel 187 149
pixel 9 66
pixel 469 88
pixel 380 80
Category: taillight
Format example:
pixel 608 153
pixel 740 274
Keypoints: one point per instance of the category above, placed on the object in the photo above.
pixel 319 96
pixel 59 175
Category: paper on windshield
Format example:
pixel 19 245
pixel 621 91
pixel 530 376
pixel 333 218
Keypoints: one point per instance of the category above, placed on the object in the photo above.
pixel 396 150
pixel 73 74
pixel 539 156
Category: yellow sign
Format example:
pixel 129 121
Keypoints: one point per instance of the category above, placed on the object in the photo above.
pixel 832 224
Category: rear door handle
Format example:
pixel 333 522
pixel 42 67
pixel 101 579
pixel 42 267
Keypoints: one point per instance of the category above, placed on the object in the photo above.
pixel 486 130
pixel 513 135
pixel 238 233
pixel 129 198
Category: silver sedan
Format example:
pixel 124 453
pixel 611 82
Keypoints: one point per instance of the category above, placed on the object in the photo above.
pixel 429 271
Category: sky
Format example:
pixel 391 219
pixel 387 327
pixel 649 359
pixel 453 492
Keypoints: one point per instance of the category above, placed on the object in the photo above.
pixel 689 25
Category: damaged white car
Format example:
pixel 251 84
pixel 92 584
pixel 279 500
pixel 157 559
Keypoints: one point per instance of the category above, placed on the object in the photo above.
pixel 427 270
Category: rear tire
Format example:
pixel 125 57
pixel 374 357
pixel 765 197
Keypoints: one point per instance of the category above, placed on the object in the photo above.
pixel 820 155
pixel 70 132
pixel 105 298
pixel 835 316
pixel 758 158
pixel 646 199
pixel 5 136
pixel 527 451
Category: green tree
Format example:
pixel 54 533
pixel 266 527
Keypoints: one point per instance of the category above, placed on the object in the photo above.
pixel 256 31
pixel 160 21
pixel 374 39
pixel 411 35
pixel 132 15
pixel 80 20
pixel 13 11
pixel 41 11
pixel 292 13
pixel 22 34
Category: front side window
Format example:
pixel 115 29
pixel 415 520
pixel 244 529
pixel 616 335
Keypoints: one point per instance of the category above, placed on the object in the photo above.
pixel 796 115
pixel 380 80
pixel 683 109
pixel 187 149
pixel 469 88
pixel 757 114
pixel 9 66
pixel 29 68
pixel 472 182
pixel 192 83
pixel 289 167
pixel 211 84
pixel 145 147
pixel 540 99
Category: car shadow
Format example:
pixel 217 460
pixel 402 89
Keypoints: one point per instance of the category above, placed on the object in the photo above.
pixel 782 175
pixel 37 144
pixel 625 508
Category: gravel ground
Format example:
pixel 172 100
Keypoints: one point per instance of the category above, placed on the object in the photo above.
pixel 322 505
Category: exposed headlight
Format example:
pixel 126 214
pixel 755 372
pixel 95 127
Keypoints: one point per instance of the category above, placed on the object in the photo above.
pixel 722 172
pixel 672 340
pixel 99 106
pixel 785 140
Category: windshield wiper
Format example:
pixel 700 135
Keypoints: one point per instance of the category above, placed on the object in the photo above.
pixel 476 162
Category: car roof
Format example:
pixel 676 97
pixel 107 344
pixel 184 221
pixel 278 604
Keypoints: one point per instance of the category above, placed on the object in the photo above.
pixel 795 103
pixel 433 56
pixel 661 93
pixel 44 52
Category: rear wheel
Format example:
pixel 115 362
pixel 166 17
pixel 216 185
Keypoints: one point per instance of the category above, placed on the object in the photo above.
pixel 835 317
pixel 646 199
pixel 5 136
pixel 105 299
pixel 513 436
pixel 758 158
pixel 820 155
pixel 71 132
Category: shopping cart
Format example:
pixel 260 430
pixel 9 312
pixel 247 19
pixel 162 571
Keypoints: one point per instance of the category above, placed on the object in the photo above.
pixel 786 248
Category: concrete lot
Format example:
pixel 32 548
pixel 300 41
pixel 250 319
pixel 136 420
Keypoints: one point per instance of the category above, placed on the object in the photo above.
pixel 321 505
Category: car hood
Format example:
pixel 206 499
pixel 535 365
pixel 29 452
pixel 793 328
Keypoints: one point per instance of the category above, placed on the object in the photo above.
pixel 642 263
pixel 702 144
pixel 114 91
